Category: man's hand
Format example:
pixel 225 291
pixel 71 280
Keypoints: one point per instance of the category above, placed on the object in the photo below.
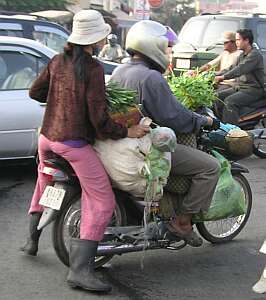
pixel 137 131
pixel 213 123
pixel 219 78
pixel 191 73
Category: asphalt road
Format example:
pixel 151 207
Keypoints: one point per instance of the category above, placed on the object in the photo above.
pixel 221 272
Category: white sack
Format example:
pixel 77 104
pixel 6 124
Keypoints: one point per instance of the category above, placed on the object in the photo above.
pixel 123 160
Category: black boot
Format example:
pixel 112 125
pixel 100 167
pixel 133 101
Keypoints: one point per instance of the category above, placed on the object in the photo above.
pixel 31 246
pixel 81 260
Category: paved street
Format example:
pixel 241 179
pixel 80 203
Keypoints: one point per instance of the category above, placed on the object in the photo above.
pixel 211 272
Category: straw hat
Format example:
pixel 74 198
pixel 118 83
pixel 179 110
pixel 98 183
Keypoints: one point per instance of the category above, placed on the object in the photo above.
pixel 228 36
pixel 88 28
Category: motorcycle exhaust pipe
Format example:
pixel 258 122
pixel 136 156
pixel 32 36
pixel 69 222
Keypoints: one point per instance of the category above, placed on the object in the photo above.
pixel 125 248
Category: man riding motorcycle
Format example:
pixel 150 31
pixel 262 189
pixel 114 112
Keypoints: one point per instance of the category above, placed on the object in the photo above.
pixel 249 74
pixel 147 43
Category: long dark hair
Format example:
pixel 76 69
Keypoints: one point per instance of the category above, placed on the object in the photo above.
pixel 80 59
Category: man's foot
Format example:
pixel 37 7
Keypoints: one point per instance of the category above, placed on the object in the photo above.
pixel 189 236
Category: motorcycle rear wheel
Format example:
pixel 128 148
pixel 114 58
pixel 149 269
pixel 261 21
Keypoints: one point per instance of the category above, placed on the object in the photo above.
pixel 66 226
pixel 221 231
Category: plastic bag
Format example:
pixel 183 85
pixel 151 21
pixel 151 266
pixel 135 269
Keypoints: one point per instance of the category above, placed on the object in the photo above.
pixel 228 199
pixel 163 139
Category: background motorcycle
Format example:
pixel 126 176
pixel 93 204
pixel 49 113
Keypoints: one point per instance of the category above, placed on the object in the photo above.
pixel 254 117
pixel 126 232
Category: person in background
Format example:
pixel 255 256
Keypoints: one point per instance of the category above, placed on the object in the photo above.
pixel 225 60
pixel 147 44
pixel 249 75
pixel 172 40
pixel 73 86
pixel 112 51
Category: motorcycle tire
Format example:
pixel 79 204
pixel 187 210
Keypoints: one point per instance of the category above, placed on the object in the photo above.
pixel 221 231
pixel 259 152
pixel 67 225
pixel 259 149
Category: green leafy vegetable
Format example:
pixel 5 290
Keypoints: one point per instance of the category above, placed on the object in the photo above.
pixel 194 91
pixel 119 99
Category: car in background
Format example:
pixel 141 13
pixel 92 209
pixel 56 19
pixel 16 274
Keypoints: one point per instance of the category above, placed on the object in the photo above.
pixel 197 41
pixel 21 61
pixel 48 33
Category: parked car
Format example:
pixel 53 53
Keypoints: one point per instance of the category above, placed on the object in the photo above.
pixel 48 33
pixel 21 61
pixel 199 36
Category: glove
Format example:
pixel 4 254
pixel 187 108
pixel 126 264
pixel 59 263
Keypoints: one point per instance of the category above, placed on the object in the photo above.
pixel 227 127
pixel 215 124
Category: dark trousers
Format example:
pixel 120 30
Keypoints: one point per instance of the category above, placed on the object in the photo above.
pixel 228 110
pixel 203 169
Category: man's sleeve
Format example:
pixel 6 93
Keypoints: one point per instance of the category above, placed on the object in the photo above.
pixel 216 61
pixel 244 67
pixel 159 102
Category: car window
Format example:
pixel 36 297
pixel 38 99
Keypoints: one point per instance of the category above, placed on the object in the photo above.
pixel 11 29
pixel 51 37
pixel 215 29
pixel 261 35
pixel 187 34
pixel 19 69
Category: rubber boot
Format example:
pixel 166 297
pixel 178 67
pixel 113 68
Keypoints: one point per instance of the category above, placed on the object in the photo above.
pixel 81 273
pixel 31 246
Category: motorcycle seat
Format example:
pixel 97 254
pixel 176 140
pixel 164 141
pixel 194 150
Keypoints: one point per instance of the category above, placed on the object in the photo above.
pixel 254 110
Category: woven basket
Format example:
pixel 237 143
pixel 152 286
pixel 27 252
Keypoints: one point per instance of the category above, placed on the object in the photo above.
pixel 129 118
pixel 181 184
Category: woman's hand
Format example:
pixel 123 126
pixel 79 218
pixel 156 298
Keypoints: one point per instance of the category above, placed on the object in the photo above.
pixel 137 131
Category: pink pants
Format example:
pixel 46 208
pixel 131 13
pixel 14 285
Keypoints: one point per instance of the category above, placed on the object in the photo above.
pixel 97 199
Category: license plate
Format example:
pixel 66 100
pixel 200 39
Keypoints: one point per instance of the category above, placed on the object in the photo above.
pixel 183 63
pixel 52 197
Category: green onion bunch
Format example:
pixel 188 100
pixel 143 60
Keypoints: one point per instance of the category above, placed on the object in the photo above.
pixel 119 99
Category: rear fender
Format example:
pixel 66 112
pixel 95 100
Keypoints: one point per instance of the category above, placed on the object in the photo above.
pixel 49 214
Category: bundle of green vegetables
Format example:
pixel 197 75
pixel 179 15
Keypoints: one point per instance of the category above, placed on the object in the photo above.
pixel 194 91
pixel 120 100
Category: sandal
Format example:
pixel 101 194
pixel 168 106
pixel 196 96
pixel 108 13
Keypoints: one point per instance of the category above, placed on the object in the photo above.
pixel 191 238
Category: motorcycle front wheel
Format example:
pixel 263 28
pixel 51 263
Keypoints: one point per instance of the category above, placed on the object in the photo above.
pixel 225 230
pixel 259 147
pixel 67 226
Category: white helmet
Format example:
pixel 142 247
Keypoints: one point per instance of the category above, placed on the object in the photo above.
pixel 149 38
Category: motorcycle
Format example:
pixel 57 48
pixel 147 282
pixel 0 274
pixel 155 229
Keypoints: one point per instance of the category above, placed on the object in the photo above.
pixel 253 119
pixel 126 232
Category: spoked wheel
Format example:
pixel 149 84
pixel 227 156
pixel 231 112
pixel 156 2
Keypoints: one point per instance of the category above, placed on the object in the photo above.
pixel 67 226
pixel 225 230
pixel 259 148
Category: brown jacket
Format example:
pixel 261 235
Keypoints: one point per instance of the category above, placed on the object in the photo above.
pixel 74 110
